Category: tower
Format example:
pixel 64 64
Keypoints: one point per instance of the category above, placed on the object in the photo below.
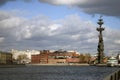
pixel 100 48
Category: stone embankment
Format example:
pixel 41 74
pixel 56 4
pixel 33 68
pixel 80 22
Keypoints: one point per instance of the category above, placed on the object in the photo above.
pixel 113 76
pixel 59 64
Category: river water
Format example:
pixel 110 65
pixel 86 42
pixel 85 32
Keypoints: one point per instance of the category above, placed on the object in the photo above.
pixel 56 73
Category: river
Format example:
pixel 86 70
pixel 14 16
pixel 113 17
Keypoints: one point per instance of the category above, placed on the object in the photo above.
pixel 56 73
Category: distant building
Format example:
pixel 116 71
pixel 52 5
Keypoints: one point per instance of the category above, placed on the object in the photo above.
pixel 35 58
pixel 42 57
pixel 5 58
pixel 27 53
pixel 48 57
pixel 73 60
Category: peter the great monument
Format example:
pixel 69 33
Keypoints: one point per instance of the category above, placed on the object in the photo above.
pixel 100 48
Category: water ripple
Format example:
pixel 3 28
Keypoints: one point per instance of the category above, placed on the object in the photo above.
pixel 56 73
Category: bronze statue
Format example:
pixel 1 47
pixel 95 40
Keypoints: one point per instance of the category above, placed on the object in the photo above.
pixel 100 48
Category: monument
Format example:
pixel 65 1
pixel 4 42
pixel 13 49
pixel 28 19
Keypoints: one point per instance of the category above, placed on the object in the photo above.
pixel 100 48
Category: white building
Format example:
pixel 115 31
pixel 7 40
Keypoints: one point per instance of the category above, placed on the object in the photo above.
pixel 16 53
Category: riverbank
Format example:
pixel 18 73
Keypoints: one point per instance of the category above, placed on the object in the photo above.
pixel 83 64
pixel 23 65
pixel 58 64
pixel 11 65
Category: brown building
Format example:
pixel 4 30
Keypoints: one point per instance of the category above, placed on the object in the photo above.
pixel 56 61
pixel 44 56
pixel 73 60
pixel 40 58
pixel 35 58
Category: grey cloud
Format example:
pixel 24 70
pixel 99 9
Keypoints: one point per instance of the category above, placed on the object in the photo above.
pixel 2 2
pixel 111 39
pixel 104 7
pixel 4 15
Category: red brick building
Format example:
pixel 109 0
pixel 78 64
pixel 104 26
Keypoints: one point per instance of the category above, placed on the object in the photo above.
pixel 35 58
pixel 72 60
pixel 60 56
pixel 40 58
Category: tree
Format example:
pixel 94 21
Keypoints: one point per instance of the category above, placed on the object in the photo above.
pixel 22 56
pixel 87 58
pixel 82 57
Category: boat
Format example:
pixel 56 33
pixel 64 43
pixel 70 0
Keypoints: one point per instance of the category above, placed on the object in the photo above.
pixel 112 61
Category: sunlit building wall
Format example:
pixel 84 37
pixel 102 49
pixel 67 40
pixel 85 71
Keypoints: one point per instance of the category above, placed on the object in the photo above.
pixel 5 58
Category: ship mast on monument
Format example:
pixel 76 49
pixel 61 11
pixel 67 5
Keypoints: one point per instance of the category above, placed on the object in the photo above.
pixel 100 48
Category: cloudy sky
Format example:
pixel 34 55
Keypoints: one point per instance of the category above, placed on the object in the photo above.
pixel 59 24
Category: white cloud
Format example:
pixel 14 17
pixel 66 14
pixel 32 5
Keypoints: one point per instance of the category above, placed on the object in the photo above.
pixel 93 40
pixel 75 37
pixel 53 29
pixel 63 2
pixel 117 41
pixel 2 39
pixel 23 32
pixel 40 32
pixel 11 22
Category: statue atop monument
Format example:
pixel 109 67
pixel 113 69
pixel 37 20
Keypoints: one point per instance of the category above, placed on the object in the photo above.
pixel 100 48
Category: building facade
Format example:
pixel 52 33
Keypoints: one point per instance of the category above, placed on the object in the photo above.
pixel 5 58
pixel 42 57
pixel 23 56
pixel 56 57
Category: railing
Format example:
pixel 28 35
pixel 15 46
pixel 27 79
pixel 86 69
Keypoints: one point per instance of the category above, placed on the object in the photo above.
pixel 113 76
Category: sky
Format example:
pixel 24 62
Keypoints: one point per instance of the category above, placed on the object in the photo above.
pixel 59 24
